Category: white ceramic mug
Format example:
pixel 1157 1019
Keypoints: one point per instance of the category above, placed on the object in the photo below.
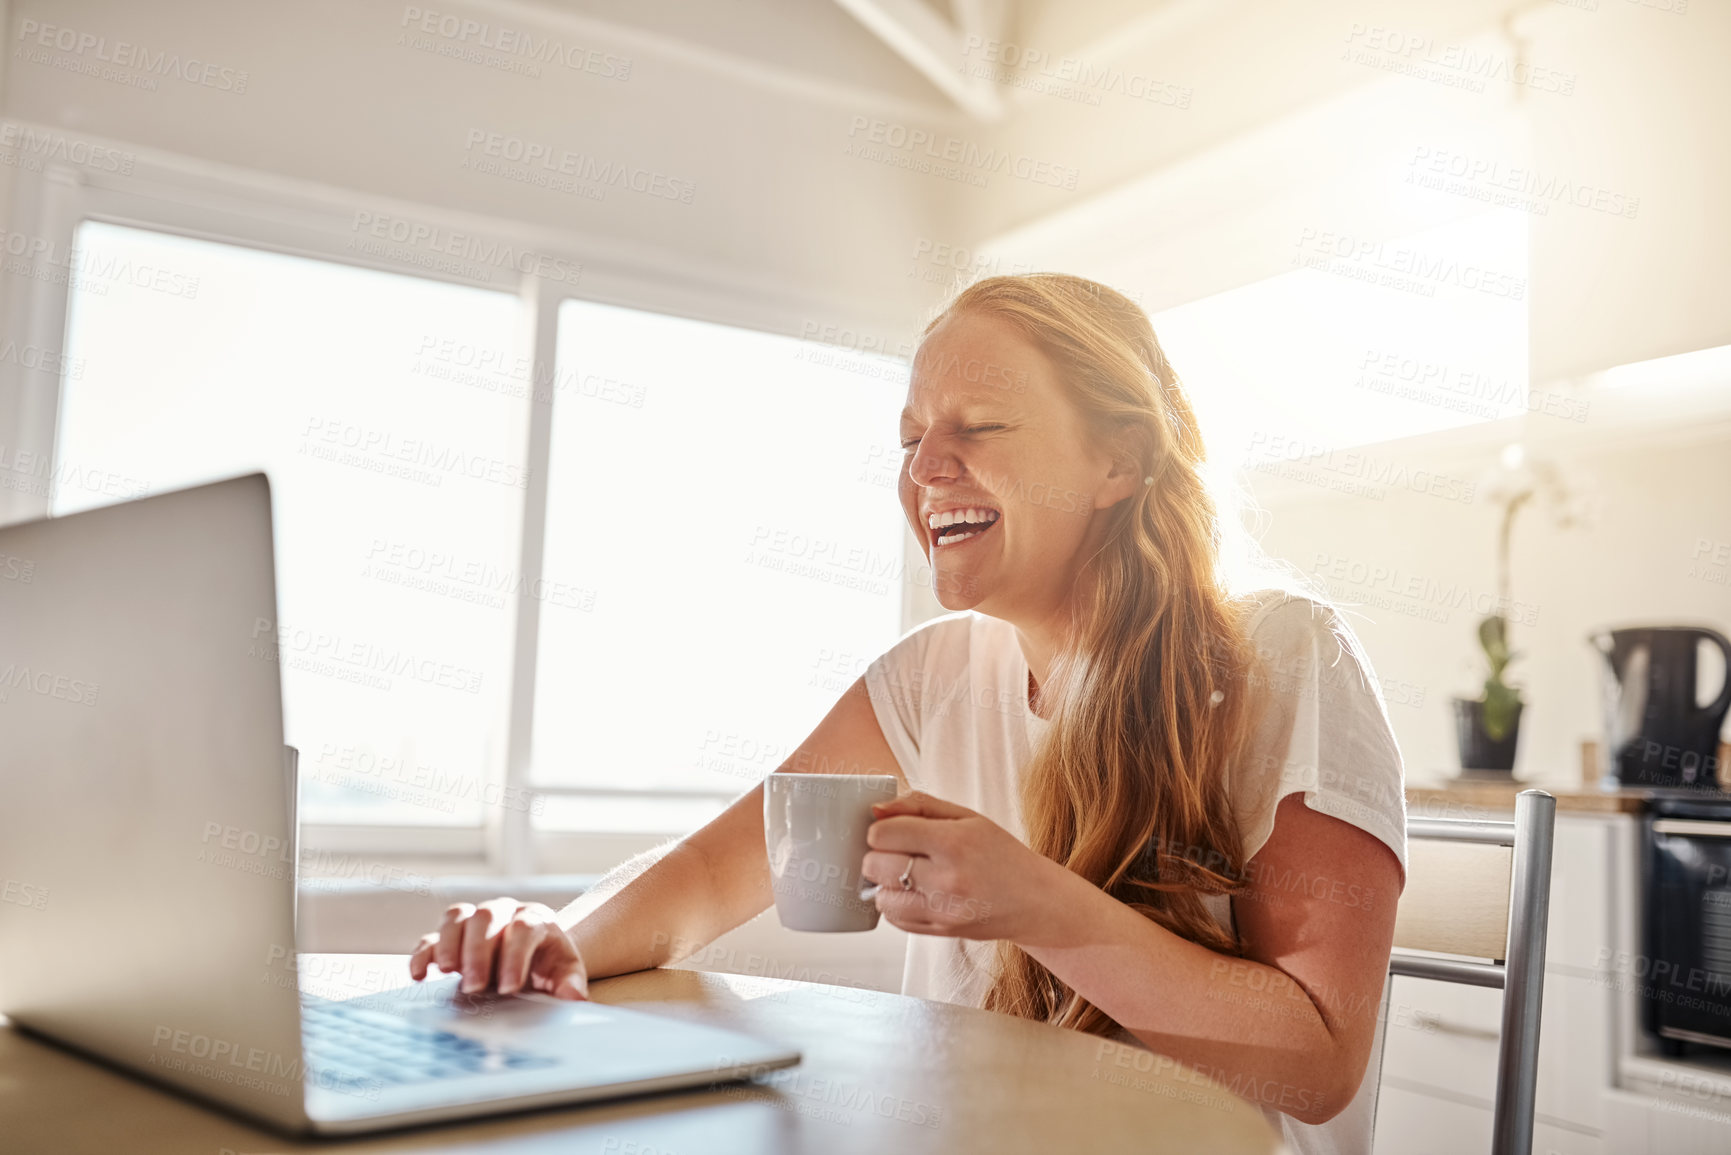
pixel 815 825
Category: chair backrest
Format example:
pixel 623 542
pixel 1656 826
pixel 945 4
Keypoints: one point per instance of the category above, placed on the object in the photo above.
pixel 1482 890
pixel 1456 899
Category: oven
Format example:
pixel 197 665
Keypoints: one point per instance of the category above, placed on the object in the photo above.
pixel 1686 988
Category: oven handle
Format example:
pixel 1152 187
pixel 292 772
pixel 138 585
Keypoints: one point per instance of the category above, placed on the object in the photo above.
pixel 1692 826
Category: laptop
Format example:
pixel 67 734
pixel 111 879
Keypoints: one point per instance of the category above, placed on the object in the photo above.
pixel 143 766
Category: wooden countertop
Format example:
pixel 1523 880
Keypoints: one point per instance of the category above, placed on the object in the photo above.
pixel 1476 798
pixel 1486 796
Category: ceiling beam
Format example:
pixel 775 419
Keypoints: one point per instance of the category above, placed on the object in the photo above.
pixel 804 84
pixel 938 49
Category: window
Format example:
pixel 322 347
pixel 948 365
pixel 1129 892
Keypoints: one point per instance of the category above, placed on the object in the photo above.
pixel 397 480
pixel 724 551
pixel 724 555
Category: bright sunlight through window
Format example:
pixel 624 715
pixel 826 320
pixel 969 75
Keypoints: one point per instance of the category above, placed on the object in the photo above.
pixel 724 553
pixel 1360 343
pixel 397 482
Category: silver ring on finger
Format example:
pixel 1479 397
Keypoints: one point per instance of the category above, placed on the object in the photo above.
pixel 907 878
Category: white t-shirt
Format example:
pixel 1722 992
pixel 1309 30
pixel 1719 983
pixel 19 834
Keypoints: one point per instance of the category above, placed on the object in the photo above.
pixel 951 697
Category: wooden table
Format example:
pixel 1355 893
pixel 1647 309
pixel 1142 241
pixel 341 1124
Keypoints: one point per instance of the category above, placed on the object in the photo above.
pixel 882 1073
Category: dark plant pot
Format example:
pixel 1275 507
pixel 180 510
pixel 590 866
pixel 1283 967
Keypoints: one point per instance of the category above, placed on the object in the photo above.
pixel 1477 750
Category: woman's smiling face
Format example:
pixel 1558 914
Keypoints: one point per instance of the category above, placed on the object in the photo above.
pixel 990 437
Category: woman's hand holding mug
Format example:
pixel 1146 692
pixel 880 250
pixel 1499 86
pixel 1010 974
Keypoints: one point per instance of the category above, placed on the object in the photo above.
pixel 967 877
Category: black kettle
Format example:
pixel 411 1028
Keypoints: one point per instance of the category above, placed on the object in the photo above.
pixel 1655 733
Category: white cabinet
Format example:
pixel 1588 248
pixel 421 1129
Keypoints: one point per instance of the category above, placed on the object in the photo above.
pixel 1414 1123
pixel 1440 1051
pixel 1442 1041
pixel 1442 1038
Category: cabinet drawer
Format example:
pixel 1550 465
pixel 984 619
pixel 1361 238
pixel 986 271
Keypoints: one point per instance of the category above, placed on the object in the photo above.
pixel 1548 1140
pixel 1411 1122
pixel 1445 1036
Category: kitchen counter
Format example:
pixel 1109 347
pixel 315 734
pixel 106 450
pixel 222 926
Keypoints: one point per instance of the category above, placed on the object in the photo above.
pixel 1487 796
pixel 1477 798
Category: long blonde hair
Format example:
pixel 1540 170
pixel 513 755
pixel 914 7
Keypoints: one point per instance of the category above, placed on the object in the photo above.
pixel 1149 696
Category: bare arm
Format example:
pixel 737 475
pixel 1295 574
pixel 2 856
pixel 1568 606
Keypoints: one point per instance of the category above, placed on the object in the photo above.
pixel 1289 1025
pixel 662 905
pixel 671 901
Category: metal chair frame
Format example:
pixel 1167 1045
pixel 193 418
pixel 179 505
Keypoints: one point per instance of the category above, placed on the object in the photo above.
pixel 1520 975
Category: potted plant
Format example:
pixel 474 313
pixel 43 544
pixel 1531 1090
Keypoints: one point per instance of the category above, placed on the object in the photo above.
pixel 1487 728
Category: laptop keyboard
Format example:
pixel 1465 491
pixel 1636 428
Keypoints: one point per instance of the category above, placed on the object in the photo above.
pixel 353 1048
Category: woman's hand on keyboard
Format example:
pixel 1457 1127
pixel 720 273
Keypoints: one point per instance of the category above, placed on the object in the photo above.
pixel 505 945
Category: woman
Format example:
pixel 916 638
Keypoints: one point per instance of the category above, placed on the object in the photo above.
pixel 1138 805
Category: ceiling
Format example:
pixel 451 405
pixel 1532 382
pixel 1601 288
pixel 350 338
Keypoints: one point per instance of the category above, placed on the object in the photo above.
pixel 911 52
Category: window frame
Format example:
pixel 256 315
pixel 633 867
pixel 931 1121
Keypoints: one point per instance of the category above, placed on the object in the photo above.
pixel 291 218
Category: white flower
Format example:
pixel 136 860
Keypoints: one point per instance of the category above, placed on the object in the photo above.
pixel 1521 479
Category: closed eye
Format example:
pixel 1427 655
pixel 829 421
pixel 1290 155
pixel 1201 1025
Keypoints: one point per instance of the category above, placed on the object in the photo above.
pixel 908 443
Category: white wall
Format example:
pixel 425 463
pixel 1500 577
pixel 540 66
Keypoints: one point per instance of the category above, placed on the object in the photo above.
pixel 1646 121
pixel 1654 502
pixel 1209 70
pixel 1627 100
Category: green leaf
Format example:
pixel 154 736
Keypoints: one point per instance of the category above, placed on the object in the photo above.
pixel 1502 707
pixel 1494 637
pixel 1494 640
